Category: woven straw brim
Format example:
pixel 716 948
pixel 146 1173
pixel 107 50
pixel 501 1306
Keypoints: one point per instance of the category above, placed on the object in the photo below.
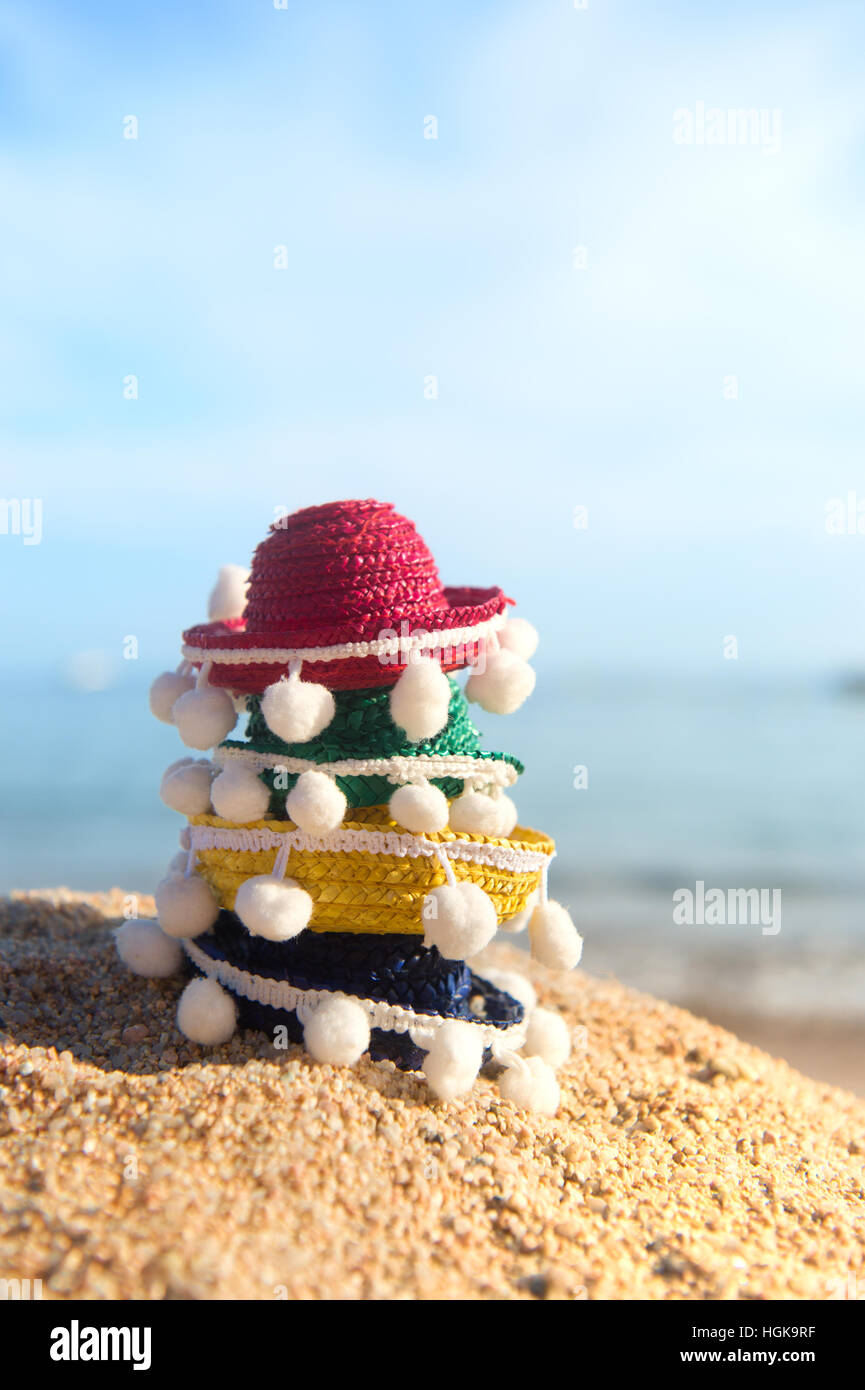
pixel 371 791
pixel 364 891
pixel 368 754
pixel 237 663
pixel 363 727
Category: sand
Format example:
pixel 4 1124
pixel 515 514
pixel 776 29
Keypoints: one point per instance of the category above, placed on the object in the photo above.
pixel 683 1163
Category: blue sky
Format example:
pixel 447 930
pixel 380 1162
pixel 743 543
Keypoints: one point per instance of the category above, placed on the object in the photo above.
pixel 453 257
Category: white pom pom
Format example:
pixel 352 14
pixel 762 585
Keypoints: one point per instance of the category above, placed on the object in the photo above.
pixel 520 637
pixel 185 906
pixel 522 919
pixel 548 1037
pixel 228 595
pixel 554 939
pixel 420 699
pixel 475 813
pixel 337 1032
pixel 518 986
pixel 176 766
pixel 204 717
pixel 185 786
pixel 508 815
pixel 165 691
pixel 239 795
pixel 297 710
pixel 454 1058
pixel 206 1013
pixel 503 685
pixel 177 864
pixel 458 920
pixel 419 807
pixel 276 908
pixel 531 1085
pixel 315 803
pixel 145 949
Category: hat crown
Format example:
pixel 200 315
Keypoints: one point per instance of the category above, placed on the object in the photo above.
pixel 345 562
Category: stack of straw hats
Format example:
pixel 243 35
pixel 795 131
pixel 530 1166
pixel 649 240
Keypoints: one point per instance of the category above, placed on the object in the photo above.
pixel 347 856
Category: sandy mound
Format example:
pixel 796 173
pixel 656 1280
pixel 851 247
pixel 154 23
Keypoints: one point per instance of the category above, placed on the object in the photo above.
pixel 682 1164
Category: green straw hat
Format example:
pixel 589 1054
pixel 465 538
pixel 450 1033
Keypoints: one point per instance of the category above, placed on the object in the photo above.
pixel 367 755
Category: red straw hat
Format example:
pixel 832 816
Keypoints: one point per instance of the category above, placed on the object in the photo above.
pixel 351 591
pixel 342 597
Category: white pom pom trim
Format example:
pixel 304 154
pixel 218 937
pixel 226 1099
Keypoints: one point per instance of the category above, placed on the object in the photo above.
pixel 520 637
pixel 548 1037
pixel 228 595
pixel 145 949
pixel 504 684
pixel 206 1013
pixel 167 689
pixel 419 807
pixel 475 813
pixel 178 864
pixel 555 941
pixel 295 710
pixel 459 918
pixel 206 715
pixel 273 906
pixel 315 803
pixel 239 795
pixel 508 815
pixel 420 700
pixel 185 906
pixel 530 1084
pixel 185 786
pixel 337 1031
pixel 454 1059
pixel 553 938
